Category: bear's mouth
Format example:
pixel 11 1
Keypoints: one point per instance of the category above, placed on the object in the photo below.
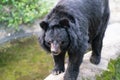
pixel 55 53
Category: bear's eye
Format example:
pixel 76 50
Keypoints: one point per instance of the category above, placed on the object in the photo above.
pixel 49 42
pixel 62 42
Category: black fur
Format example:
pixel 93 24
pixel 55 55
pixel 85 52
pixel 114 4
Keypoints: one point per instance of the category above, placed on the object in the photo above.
pixel 72 25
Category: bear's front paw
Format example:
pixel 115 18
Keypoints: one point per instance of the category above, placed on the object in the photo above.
pixel 95 59
pixel 71 75
pixel 57 71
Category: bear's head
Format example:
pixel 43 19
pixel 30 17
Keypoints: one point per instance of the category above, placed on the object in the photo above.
pixel 56 37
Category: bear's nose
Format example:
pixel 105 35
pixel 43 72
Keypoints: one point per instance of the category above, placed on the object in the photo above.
pixel 55 48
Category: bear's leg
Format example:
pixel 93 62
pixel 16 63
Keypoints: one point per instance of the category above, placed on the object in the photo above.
pixel 59 63
pixel 75 59
pixel 96 50
pixel 98 40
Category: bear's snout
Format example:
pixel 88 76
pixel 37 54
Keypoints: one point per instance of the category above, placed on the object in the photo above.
pixel 55 49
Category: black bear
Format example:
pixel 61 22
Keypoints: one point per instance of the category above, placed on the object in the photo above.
pixel 70 27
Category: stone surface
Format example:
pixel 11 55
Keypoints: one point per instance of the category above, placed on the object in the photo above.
pixel 115 10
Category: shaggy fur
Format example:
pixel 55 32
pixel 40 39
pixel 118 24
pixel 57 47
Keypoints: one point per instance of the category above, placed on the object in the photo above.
pixel 71 26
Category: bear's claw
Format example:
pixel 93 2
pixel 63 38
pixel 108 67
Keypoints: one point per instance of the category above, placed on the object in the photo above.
pixel 57 71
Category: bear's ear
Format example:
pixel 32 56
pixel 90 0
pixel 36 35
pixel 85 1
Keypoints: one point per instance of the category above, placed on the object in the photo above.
pixel 44 25
pixel 64 22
